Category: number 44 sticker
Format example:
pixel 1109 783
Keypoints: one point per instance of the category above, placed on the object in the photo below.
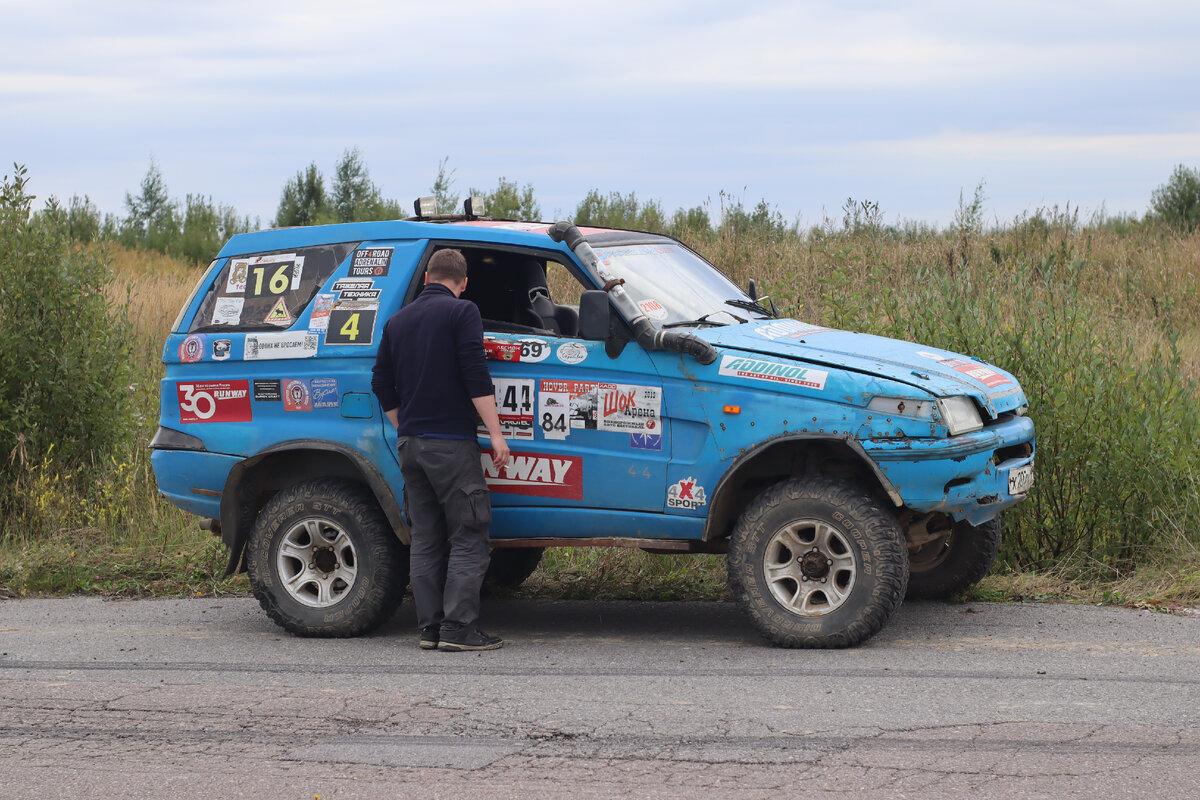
pixel 351 325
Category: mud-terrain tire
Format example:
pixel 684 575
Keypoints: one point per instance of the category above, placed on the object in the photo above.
pixel 510 566
pixel 323 560
pixel 818 562
pixel 951 565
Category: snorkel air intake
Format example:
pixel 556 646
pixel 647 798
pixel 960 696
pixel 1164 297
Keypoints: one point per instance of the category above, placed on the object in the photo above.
pixel 647 335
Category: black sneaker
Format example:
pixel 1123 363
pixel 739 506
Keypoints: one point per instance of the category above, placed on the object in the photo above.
pixel 455 641
pixel 429 637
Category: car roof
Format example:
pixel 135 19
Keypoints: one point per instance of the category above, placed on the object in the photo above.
pixel 528 234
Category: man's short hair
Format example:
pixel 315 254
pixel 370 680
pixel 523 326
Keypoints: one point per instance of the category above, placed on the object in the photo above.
pixel 447 265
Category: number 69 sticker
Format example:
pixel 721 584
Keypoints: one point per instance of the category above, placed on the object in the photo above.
pixel 351 326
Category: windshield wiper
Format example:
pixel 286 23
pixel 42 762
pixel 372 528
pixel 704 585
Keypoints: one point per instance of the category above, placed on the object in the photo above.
pixel 752 305
pixel 704 320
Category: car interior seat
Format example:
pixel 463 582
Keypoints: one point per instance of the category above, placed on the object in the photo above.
pixel 532 291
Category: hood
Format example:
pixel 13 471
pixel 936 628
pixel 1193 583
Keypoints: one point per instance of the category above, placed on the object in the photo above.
pixel 939 372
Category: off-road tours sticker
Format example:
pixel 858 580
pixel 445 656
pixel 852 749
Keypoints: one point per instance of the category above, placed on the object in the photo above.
pixel 373 262
pixel 214 401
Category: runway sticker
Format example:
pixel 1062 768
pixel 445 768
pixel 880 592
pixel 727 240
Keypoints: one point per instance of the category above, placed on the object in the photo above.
pixel 214 401
pixel 536 474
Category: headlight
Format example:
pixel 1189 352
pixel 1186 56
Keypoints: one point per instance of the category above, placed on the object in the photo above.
pixel 959 414
pixel 902 407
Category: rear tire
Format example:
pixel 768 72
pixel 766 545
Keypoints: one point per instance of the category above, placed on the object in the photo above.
pixel 510 566
pixel 951 565
pixel 323 560
pixel 817 563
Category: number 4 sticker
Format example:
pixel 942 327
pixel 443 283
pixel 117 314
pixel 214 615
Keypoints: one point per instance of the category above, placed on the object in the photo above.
pixel 351 326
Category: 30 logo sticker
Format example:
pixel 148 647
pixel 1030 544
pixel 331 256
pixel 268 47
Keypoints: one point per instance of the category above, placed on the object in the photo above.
pixel 214 401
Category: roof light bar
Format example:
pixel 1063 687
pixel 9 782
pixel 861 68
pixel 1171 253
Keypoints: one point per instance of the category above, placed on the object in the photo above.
pixel 474 206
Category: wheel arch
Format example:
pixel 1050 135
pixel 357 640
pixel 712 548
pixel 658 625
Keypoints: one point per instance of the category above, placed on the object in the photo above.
pixel 789 456
pixel 254 480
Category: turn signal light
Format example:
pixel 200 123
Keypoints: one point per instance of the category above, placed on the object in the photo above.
pixel 733 409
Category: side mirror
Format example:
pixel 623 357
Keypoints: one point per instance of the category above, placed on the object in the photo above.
pixel 595 315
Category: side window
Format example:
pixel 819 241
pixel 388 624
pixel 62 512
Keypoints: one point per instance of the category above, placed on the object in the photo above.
pixel 267 291
pixel 522 292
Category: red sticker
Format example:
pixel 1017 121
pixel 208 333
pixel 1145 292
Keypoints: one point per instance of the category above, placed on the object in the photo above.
pixel 536 474
pixel 502 351
pixel 296 395
pixel 988 377
pixel 214 401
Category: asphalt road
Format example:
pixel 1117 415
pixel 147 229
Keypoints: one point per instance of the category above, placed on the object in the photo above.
pixel 206 698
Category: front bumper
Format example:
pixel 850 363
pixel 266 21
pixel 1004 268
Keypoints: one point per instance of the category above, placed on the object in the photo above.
pixel 964 476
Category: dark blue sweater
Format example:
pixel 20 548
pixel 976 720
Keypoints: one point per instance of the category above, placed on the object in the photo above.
pixel 431 363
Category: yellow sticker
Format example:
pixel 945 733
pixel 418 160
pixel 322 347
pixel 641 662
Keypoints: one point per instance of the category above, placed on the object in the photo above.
pixel 279 315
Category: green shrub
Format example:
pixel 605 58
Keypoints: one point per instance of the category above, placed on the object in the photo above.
pixel 65 357
pixel 1177 202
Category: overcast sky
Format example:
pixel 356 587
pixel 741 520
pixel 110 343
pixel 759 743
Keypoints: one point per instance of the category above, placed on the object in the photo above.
pixel 801 104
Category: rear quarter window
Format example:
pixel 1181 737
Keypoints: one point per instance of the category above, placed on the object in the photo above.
pixel 267 291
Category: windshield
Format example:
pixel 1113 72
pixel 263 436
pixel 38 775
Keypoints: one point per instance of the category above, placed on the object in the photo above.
pixel 671 285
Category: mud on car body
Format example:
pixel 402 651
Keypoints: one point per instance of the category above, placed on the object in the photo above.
pixel 648 400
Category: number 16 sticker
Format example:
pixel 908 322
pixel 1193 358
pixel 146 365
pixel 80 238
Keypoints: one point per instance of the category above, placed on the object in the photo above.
pixel 351 325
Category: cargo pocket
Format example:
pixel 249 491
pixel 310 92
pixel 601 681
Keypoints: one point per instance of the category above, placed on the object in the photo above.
pixel 481 508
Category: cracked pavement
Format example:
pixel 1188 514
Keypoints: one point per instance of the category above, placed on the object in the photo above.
pixel 205 697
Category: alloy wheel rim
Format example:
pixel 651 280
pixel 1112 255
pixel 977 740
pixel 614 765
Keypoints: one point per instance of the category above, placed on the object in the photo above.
pixel 317 562
pixel 809 567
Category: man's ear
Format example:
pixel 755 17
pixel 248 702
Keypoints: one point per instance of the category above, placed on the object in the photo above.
pixel 426 277
pixel 463 288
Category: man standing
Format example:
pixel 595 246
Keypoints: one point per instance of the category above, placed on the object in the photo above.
pixel 431 378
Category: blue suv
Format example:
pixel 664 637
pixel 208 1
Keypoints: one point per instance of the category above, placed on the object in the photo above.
pixel 649 402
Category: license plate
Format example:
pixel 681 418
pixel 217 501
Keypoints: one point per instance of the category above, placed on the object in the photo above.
pixel 1020 480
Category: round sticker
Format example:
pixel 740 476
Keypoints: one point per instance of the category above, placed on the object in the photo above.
pixel 192 348
pixel 572 353
pixel 534 350
pixel 653 309
pixel 221 348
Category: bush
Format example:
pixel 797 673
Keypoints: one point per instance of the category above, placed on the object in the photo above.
pixel 1177 202
pixel 65 350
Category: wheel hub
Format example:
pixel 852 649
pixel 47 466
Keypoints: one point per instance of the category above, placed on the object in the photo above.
pixel 325 559
pixel 814 566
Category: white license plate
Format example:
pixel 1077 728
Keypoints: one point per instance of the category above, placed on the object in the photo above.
pixel 1020 480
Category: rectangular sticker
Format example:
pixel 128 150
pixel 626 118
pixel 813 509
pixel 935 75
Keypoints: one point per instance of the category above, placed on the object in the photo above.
pixel 266 276
pixel 988 377
pixel 325 393
pixel 789 328
pixel 228 311
pixel 296 395
pixel 342 284
pixel 628 409
pixel 553 408
pixel 214 401
pixel 351 323
pixel 581 400
pixel 372 262
pixel 536 474
pixel 275 346
pixel 318 321
pixel 268 390
pixel 772 371
pixel 359 294
pixel 514 402
pixel 645 441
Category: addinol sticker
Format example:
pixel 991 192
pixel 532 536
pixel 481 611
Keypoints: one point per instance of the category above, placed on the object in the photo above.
pixel 773 371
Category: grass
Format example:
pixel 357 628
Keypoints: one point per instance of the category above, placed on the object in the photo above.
pixel 107 532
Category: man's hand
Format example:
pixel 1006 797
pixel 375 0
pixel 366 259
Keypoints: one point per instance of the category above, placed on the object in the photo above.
pixel 500 452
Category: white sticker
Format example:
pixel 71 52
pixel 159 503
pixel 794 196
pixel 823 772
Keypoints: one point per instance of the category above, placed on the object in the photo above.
pixel 653 309
pixel 228 311
pixel 788 327
pixel 581 401
pixel 222 349
pixel 273 346
pixel 685 493
pixel 553 411
pixel 572 353
pixel 236 283
pixel 318 321
pixel 534 350
pixel 773 371
pixel 514 402
pixel 628 409
pixel 297 271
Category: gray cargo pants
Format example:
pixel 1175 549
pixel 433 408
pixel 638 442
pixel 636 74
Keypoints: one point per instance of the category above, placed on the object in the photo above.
pixel 450 510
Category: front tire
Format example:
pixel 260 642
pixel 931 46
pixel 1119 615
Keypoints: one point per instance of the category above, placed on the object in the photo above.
pixel 955 562
pixel 323 560
pixel 817 563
